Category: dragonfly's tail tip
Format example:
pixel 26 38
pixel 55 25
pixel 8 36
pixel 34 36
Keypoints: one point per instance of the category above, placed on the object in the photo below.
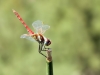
pixel 13 10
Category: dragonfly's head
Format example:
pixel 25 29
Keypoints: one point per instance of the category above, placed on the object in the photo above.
pixel 48 42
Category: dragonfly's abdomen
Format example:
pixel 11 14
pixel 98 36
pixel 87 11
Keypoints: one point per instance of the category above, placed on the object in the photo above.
pixel 22 21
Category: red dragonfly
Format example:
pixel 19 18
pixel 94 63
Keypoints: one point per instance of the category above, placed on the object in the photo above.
pixel 38 36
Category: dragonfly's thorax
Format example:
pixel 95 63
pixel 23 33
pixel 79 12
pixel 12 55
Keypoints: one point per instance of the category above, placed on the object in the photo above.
pixel 38 37
pixel 41 39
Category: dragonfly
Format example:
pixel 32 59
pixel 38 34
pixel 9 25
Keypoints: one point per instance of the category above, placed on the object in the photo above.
pixel 40 29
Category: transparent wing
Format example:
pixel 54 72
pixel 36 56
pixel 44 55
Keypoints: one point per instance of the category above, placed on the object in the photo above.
pixel 39 27
pixel 26 36
pixel 44 28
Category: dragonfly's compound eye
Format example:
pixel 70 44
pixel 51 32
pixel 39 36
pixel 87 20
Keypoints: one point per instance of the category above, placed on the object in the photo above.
pixel 48 42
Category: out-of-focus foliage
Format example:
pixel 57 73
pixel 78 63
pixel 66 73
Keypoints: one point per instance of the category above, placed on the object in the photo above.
pixel 75 35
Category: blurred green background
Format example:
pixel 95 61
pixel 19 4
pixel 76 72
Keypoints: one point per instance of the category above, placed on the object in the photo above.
pixel 74 32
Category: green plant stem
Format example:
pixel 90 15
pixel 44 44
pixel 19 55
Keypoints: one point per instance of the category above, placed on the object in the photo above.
pixel 49 68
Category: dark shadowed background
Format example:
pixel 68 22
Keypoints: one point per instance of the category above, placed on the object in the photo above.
pixel 74 32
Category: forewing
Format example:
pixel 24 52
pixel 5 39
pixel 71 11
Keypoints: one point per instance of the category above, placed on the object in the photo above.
pixel 26 36
pixel 44 28
pixel 39 27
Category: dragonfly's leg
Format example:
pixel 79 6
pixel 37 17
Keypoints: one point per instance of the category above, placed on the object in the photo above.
pixel 40 49
pixel 45 49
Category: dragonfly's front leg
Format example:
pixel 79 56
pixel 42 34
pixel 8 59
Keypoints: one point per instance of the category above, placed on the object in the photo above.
pixel 45 49
pixel 40 49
